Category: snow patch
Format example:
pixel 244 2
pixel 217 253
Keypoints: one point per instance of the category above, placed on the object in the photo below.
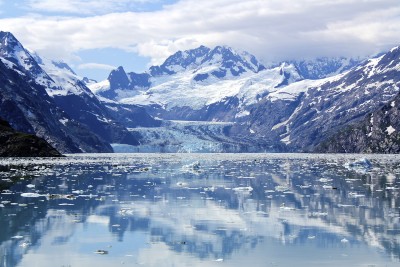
pixel 63 121
pixel 390 130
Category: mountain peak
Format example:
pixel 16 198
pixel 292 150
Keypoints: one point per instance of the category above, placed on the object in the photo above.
pixel 223 58
pixel 181 60
pixel 8 45
pixel 12 50
pixel 118 78
pixel 7 36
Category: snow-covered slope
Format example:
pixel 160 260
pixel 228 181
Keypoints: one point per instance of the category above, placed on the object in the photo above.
pixel 315 110
pixel 182 90
pixel 67 91
pixel 12 50
pixel 295 104
pixel 324 67
pixel 203 65
pixel 190 81
pixel 29 109
pixel 66 80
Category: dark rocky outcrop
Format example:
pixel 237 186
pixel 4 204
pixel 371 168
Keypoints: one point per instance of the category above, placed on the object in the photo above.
pixel 28 108
pixel 17 144
pixel 323 110
pixel 377 133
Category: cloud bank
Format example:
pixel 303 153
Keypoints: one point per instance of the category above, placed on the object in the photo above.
pixel 270 29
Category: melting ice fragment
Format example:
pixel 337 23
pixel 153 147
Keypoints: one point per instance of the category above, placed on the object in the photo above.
pixel 281 188
pixel 31 195
pixel 193 167
pixel 243 189
pixel 101 251
pixel 361 165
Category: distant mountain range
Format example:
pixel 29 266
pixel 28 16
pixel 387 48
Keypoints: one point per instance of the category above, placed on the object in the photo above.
pixel 243 105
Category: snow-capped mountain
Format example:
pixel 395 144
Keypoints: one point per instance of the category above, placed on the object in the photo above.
pixel 324 67
pixel 306 113
pixel 82 105
pixel 379 131
pixel 295 106
pixel 189 82
pixel 12 50
pixel 28 108
pixel 284 106
pixel 68 92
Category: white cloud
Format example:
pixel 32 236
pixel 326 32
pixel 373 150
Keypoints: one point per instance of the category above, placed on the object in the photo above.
pixel 96 66
pixel 271 29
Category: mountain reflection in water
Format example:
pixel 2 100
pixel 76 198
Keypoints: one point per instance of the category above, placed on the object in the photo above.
pixel 200 210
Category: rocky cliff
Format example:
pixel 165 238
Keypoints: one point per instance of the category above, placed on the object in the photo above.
pixel 16 144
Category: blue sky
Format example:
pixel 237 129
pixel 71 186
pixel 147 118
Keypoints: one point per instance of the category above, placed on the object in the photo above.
pixel 94 36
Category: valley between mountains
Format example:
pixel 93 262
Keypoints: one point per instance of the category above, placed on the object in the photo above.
pixel 206 100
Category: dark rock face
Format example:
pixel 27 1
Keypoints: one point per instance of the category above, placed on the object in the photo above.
pixel 378 132
pixel 325 109
pixel 132 116
pixel 85 117
pixel 16 144
pixel 120 80
pixel 95 116
pixel 28 108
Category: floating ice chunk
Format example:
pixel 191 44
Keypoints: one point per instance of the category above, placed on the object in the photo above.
pixel 355 195
pixel 283 207
pixel 126 211
pixel 219 260
pixel 281 188
pixel 193 167
pixel 243 189
pixel 31 195
pixel 325 180
pixel 181 184
pixel 316 213
pixel 344 240
pixel 361 165
pixel 30 185
pixel 101 251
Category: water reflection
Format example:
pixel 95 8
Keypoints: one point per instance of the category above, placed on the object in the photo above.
pixel 200 210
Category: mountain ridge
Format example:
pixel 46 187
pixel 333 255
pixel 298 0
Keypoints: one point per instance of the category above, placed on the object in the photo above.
pixel 293 106
pixel 275 106
pixel 64 89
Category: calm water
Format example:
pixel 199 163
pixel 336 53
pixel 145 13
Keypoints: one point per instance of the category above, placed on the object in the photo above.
pixel 200 210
